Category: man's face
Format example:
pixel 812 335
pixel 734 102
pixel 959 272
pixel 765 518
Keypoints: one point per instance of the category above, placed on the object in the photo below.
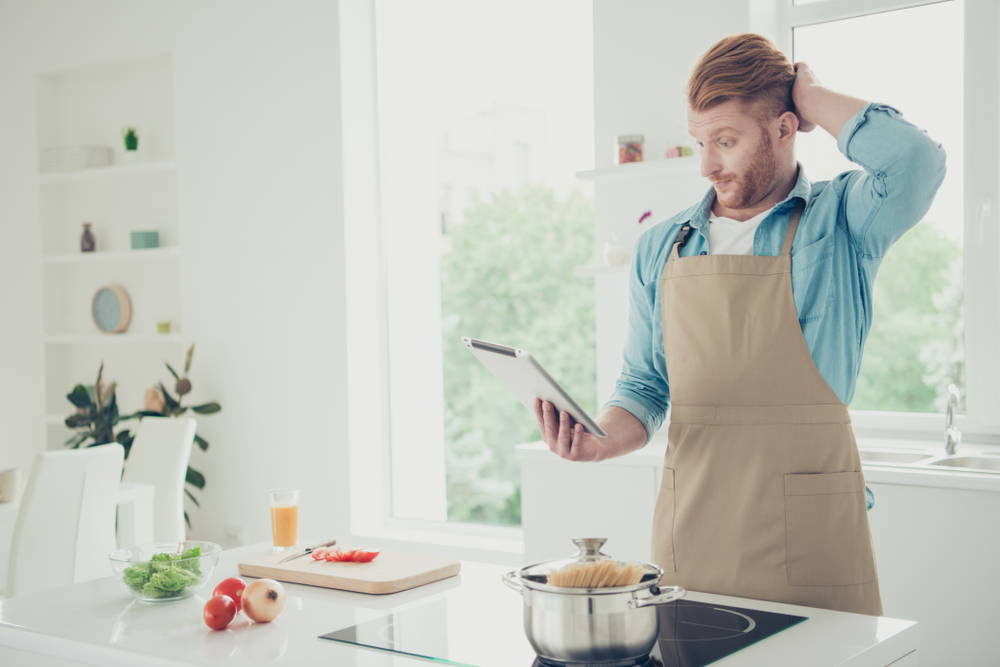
pixel 737 155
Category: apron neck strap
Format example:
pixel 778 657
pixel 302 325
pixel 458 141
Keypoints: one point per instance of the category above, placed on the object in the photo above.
pixel 786 247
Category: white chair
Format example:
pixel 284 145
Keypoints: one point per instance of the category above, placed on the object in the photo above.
pixel 65 525
pixel 159 456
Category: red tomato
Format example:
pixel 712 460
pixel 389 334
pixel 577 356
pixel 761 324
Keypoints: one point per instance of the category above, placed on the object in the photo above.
pixel 366 556
pixel 318 554
pixel 233 587
pixel 219 611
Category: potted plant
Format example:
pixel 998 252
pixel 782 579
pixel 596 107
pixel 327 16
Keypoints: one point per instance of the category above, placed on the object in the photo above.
pixel 131 139
pixel 97 416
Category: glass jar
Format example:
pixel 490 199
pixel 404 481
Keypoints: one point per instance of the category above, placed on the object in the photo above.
pixel 629 148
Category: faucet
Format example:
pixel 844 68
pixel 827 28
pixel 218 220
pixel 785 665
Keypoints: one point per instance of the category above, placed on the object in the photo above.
pixel 952 436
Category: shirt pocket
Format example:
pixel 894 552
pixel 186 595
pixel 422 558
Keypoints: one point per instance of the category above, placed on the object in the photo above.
pixel 827 537
pixel 811 277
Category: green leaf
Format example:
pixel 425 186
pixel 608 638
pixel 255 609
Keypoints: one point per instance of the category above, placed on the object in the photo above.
pixel 207 408
pixel 191 496
pixel 172 371
pixel 77 421
pixel 187 519
pixel 201 442
pixel 187 360
pixel 194 477
pixel 143 413
pixel 79 397
pixel 171 402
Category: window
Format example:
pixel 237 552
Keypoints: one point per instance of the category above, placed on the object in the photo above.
pixel 483 121
pixel 928 315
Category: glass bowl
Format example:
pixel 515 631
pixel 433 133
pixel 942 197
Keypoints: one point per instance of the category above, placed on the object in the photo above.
pixel 164 571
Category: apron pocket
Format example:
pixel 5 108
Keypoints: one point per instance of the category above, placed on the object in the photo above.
pixel 827 537
pixel 663 524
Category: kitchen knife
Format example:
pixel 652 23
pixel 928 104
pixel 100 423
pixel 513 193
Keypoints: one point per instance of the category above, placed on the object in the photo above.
pixel 306 551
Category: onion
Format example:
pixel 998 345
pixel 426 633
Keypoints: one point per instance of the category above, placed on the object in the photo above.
pixel 263 599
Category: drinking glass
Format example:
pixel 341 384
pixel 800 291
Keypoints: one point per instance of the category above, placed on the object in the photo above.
pixel 284 518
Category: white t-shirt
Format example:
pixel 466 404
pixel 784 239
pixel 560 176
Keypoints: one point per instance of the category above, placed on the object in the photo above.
pixel 733 237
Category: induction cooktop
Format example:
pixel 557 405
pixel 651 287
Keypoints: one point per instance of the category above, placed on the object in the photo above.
pixel 691 634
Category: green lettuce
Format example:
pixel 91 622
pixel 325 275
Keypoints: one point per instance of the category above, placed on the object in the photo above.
pixel 165 575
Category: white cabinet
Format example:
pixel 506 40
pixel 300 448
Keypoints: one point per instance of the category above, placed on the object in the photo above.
pixel 938 556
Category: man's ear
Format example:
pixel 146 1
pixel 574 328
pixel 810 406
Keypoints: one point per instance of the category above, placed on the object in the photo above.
pixel 788 125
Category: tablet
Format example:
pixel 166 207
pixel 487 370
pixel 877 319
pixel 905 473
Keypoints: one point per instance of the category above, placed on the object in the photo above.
pixel 527 379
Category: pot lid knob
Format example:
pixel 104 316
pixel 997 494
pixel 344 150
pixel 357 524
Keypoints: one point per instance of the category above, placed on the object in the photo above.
pixel 590 548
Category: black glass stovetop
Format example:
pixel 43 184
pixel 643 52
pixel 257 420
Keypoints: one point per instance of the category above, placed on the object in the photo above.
pixel 691 634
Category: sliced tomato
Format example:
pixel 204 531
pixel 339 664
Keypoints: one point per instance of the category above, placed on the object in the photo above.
pixel 342 556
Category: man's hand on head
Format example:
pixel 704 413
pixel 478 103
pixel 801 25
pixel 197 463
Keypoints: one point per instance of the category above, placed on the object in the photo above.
pixel 804 81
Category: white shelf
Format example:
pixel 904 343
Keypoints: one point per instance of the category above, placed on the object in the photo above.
pixel 648 168
pixel 115 170
pixel 123 255
pixel 91 339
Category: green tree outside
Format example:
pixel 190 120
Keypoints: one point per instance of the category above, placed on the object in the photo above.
pixel 507 275
pixel 915 346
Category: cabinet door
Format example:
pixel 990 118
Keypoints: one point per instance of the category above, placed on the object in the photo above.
pixel 561 500
pixel 936 553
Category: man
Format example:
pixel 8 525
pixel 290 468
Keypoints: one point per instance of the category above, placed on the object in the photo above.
pixel 758 302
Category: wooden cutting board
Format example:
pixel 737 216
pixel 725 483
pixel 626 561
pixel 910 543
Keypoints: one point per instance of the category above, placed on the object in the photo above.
pixel 390 572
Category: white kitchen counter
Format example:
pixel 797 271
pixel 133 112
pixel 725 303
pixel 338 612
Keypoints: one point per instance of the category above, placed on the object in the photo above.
pixel 99 623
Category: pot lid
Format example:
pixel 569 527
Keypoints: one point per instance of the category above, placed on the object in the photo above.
pixel 537 576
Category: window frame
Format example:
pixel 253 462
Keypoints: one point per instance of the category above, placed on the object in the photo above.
pixel 981 239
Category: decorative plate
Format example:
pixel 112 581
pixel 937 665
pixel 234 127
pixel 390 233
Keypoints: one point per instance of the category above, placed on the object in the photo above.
pixel 111 309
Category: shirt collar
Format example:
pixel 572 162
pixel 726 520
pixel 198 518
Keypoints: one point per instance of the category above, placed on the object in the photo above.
pixel 700 212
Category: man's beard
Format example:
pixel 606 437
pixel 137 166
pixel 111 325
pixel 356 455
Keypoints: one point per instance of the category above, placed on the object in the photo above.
pixel 756 181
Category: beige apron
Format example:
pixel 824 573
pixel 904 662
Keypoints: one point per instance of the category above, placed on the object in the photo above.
pixel 762 494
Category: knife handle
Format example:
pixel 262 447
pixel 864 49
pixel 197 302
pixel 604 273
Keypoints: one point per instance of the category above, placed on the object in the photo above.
pixel 317 546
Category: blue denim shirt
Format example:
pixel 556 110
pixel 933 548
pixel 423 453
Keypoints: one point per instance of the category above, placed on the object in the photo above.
pixel 846 227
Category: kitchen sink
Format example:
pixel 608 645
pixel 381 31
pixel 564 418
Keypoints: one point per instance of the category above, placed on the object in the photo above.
pixel 977 463
pixel 885 456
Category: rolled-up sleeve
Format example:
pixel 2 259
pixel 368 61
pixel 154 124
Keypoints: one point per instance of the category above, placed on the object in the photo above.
pixel 903 168
pixel 641 389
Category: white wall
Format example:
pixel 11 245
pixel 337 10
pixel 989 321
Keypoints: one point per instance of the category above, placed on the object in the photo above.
pixel 257 123
pixel 643 55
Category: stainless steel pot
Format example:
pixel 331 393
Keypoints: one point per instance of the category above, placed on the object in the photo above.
pixel 590 624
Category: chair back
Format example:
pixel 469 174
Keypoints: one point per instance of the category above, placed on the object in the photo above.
pixel 159 456
pixel 65 525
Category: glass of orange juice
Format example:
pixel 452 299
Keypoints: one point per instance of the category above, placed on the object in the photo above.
pixel 284 518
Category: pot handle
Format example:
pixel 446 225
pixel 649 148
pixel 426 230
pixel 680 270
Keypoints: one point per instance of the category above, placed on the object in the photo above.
pixel 660 596
pixel 511 580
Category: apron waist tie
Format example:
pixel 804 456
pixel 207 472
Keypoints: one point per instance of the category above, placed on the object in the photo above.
pixel 834 413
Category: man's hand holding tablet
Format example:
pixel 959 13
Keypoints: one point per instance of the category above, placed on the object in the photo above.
pixel 566 428
pixel 567 437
